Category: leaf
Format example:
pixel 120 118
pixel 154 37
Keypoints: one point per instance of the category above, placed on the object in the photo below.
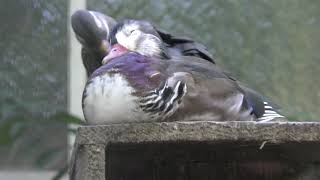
pixel 66 118
pixel 47 156
pixel 12 129
pixel 62 171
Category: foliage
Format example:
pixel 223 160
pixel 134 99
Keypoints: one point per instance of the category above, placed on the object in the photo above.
pixel 15 128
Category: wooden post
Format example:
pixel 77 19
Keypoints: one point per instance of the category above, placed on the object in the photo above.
pixel 198 150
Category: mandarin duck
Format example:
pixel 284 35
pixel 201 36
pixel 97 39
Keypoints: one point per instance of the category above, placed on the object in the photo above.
pixel 134 87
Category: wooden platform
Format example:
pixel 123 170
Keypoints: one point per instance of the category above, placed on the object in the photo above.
pixel 198 151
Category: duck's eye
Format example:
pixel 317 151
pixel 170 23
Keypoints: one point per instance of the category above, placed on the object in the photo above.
pixel 134 32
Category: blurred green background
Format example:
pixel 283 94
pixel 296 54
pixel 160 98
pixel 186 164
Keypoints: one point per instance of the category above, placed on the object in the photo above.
pixel 33 83
pixel 271 45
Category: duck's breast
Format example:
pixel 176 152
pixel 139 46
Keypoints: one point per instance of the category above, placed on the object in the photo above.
pixel 109 99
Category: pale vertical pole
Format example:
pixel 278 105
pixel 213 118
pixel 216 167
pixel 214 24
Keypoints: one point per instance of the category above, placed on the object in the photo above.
pixel 76 71
pixel 77 74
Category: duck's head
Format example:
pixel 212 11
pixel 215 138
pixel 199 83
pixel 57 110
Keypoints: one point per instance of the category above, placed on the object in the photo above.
pixel 92 29
pixel 138 36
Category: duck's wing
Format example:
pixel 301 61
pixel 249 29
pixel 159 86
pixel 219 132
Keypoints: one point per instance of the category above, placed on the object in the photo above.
pixel 208 88
pixel 185 46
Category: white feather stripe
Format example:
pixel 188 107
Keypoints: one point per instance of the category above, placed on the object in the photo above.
pixel 268 107
pixel 151 96
pixel 268 118
pixel 270 112
pixel 173 100
pixel 105 24
pixel 158 99
pixel 164 87
pixel 96 19
pixel 176 93
pixel 272 116
pixel 146 103
pixel 153 105
pixel 159 104
pixel 265 120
